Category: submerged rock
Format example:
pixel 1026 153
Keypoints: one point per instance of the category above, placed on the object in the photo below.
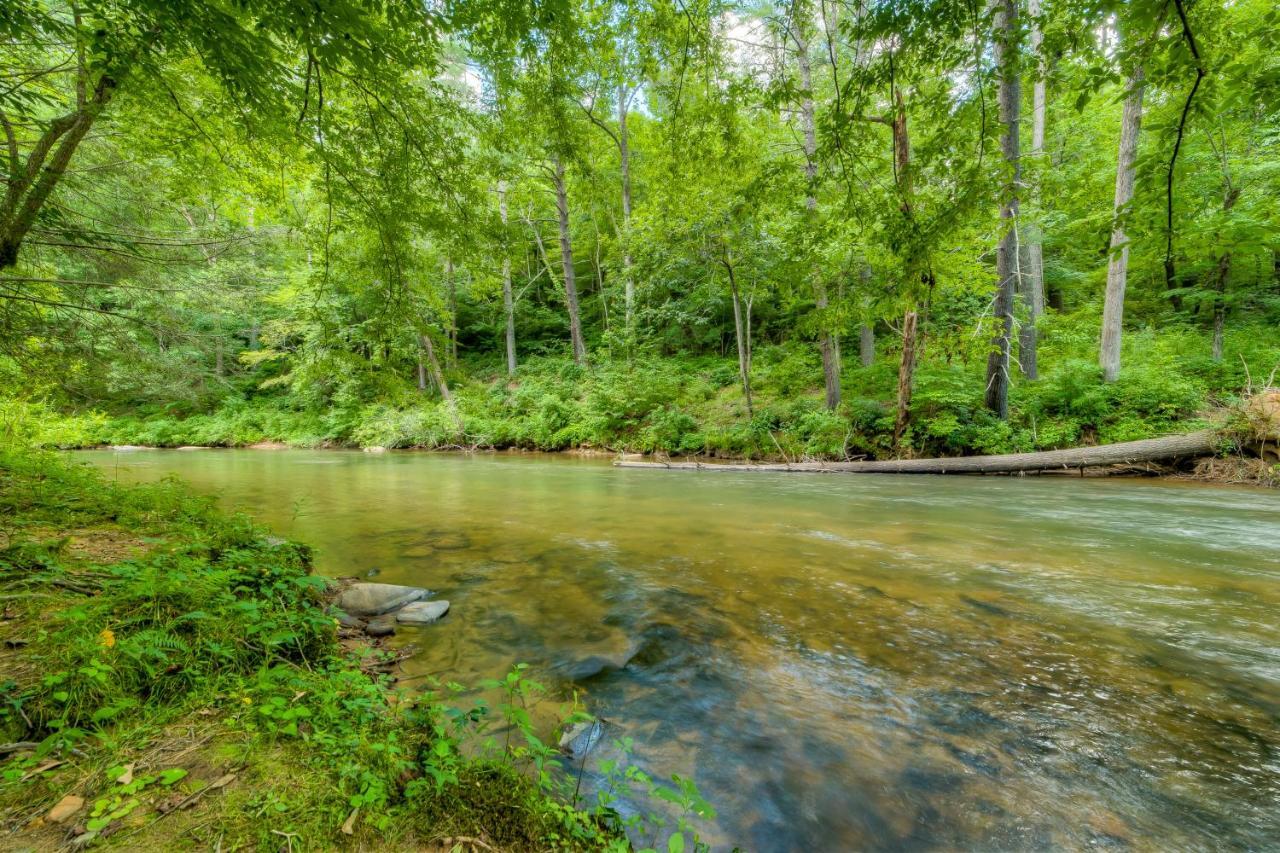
pixel 422 612
pixel 374 599
pixel 579 739
pixel 587 668
pixel 381 626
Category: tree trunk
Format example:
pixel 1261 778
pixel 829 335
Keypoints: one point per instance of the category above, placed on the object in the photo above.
pixel 566 259
pixel 867 345
pixel 741 335
pixel 1032 279
pixel 451 288
pixel 218 367
pixel 1230 195
pixel 1125 453
pixel 827 346
pixel 997 397
pixel 1118 262
pixel 906 375
pixel 508 297
pixel 422 373
pixel 438 375
pixel 30 182
pixel 624 157
pixel 1219 303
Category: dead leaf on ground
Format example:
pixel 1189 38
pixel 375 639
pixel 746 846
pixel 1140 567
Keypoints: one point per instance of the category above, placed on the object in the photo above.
pixel 127 776
pixel 48 765
pixel 66 807
pixel 349 827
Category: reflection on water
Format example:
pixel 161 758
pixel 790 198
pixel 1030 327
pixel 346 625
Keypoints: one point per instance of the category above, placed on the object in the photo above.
pixel 843 662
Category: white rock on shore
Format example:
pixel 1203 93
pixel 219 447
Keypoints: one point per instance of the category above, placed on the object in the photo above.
pixel 423 612
pixel 374 599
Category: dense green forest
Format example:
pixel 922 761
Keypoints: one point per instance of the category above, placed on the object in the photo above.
pixel 816 229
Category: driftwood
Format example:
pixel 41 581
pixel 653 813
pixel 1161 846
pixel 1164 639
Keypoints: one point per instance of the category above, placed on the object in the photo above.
pixel 1193 444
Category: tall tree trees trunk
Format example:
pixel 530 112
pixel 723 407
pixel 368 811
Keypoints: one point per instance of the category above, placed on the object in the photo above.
pixel 906 372
pixel 1032 279
pixel 828 346
pixel 866 345
pixel 566 259
pixel 451 289
pixel 1219 303
pixel 742 333
pixel 1118 263
pixel 997 397
pixel 866 331
pixel 1229 197
pixel 624 157
pixel 508 297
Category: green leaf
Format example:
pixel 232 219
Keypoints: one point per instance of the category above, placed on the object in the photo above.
pixel 173 774
pixel 675 844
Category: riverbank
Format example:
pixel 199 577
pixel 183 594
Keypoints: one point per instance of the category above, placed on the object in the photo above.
pixel 173 679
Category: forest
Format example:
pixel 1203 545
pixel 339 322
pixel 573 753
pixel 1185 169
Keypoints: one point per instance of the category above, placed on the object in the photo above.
pixel 817 230
pixel 864 236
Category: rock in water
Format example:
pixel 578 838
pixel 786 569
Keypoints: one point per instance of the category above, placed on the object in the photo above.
pixel 374 599
pixel 581 738
pixel 382 626
pixel 423 612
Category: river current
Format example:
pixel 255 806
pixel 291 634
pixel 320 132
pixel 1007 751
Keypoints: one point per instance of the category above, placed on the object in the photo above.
pixel 840 662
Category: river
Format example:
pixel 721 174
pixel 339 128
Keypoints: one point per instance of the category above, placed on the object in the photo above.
pixel 856 662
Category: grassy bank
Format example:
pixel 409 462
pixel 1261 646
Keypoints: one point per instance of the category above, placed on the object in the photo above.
pixel 694 405
pixel 172 680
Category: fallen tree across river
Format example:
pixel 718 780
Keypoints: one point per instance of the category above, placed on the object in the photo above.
pixel 1172 447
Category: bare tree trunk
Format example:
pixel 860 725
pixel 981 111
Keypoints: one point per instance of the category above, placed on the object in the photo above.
pixel 566 259
pixel 828 348
pixel 741 334
pixel 1118 264
pixel 906 374
pixel 422 372
pixel 624 156
pixel 508 297
pixel 1032 278
pixel 997 397
pixel 867 345
pixel 218 369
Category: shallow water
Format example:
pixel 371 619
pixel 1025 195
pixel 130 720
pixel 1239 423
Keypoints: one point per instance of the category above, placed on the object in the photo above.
pixel 842 662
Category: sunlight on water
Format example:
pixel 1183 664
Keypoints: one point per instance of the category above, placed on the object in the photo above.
pixel 842 662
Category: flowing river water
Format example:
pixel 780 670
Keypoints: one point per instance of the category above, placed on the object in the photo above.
pixel 856 662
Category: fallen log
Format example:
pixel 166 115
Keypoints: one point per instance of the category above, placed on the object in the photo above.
pixel 1202 443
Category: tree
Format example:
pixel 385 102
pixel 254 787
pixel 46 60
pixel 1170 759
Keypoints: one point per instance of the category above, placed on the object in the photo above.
pixel 1008 61
pixel 1118 259
pixel 252 49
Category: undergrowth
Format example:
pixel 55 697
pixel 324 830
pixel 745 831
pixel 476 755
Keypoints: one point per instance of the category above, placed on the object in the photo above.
pixel 694 405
